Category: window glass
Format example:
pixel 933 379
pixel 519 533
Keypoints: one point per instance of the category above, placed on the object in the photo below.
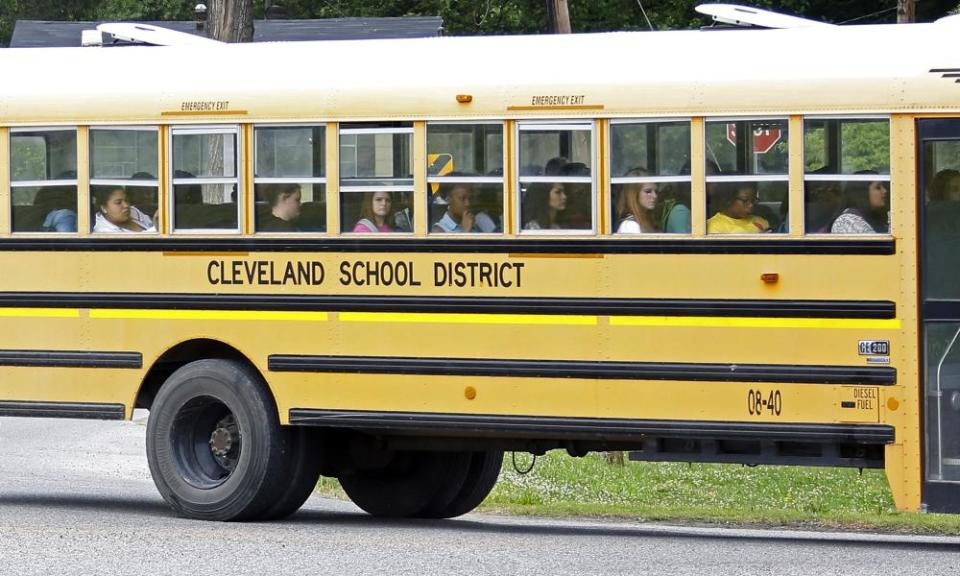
pixel 747 207
pixel 747 165
pixel 206 155
pixel 123 154
pixel 941 175
pixel 847 176
pixel 290 182
pixel 739 147
pixel 124 188
pixel 471 148
pixel 465 175
pixel 556 176
pixel 941 398
pixel 205 185
pixel 376 177
pixel 291 207
pixel 376 155
pixel 290 152
pixel 28 157
pixel 650 184
pixel 550 151
pixel 43 170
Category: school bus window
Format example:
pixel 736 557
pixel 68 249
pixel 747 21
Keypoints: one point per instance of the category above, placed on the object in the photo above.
pixel 650 184
pixel 465 175
pixel 556 178
pixel 847 175
pixel 43 174
pixel 290 179
pixel 747 176
pixel 123 180
pixel 205 182
pixel 376 177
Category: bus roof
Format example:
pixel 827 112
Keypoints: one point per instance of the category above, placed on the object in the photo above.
pixel 828 70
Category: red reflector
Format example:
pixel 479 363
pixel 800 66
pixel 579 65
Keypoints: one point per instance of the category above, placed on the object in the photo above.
pixel 770 278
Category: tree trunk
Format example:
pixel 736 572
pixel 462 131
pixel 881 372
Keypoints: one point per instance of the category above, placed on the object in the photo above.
pixel 558 17
pixel 230 20
pixel 615 458
pixel 906 11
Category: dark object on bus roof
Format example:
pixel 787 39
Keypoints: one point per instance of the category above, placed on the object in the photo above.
pixel 42 33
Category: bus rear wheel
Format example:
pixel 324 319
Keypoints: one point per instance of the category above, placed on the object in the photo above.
pixel 302 473
pixel 481 478
pixel 414 484
pixel 215 446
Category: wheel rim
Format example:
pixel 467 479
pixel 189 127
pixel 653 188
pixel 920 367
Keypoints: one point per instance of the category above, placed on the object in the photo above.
pixel 207 441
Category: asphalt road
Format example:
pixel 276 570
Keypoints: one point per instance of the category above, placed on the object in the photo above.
pixel 76 498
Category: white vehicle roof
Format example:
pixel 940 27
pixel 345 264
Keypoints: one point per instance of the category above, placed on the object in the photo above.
pixel 856 69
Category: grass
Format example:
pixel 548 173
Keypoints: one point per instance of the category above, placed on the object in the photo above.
pixel 841 498
pixel 798 497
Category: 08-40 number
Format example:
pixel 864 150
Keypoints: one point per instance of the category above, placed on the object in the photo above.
pixel 758 402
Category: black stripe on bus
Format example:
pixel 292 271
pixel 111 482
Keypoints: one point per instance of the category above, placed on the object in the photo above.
pixel 462 425
pixel 860 247
pixel 70 359
pixel 84 410
pixel 866 309
pixel 860 375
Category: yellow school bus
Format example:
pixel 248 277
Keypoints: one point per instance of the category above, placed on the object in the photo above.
pixel 391 261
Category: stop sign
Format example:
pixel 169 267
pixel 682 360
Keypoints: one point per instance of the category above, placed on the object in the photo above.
pixel 764 137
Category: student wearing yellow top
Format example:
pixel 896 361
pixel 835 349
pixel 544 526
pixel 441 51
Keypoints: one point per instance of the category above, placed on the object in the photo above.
pixel 735 214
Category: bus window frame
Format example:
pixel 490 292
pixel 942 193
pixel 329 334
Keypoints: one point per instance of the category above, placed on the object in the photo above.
pixel 770 177
pixel 252 202
pixel 621 180
pixel 342 189
pixel 560 124
pixel 479 180
pixel 888 178
pixel 75 182
pixel 199 129
pixel 123 182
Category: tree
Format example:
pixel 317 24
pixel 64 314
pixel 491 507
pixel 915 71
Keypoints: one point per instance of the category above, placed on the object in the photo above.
pixel 558 17
pixel 230 20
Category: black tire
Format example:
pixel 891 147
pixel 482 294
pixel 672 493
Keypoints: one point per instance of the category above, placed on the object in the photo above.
pixel 482 477
pixel 214 442
pixel 412 484
pixel 301 476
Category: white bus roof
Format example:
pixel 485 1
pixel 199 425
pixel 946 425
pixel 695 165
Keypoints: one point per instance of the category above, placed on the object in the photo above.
pixel 819 70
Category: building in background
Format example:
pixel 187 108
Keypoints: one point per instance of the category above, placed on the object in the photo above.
pixel 45 33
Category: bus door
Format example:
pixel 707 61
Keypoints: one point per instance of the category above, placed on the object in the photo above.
pixel 939 198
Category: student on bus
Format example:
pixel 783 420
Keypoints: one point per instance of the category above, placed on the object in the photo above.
pixel 375 209
pixel 459 216
pixel 544 204
pixel 55 203
pixel 284 202
pixel 945 186
pixel 866 208
pixel 636 205
pixel 735 202
pixel 58 205
pixel 114 213
pixel 555 166
pixel 825 202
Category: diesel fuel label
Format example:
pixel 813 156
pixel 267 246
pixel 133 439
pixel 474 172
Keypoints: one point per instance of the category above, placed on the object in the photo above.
pixel 366 272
